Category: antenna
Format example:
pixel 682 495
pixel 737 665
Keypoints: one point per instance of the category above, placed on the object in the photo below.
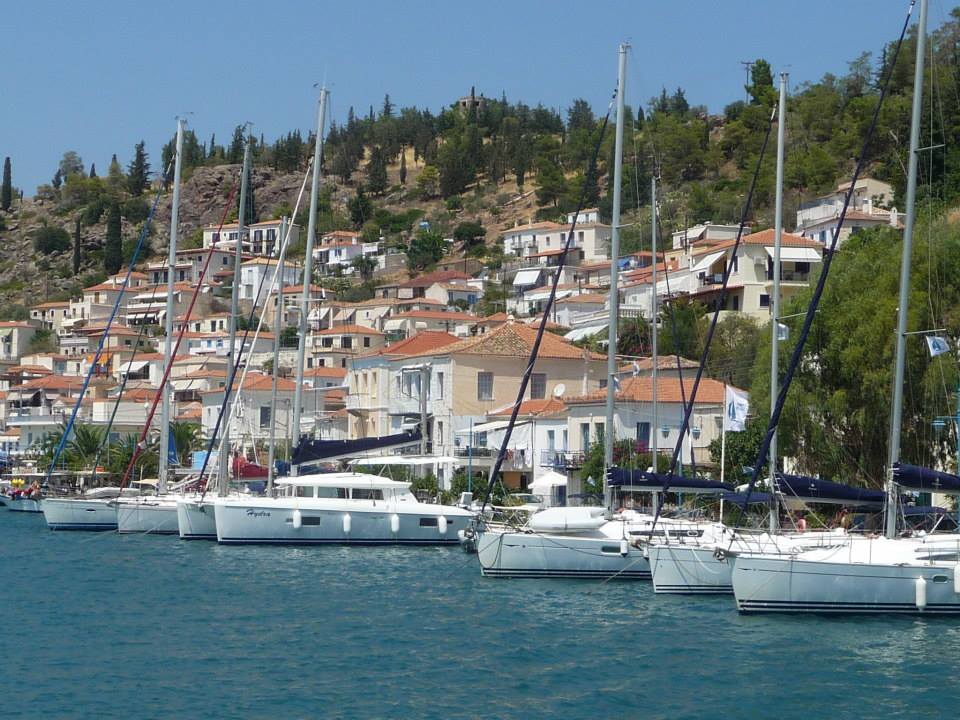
pixel 748 66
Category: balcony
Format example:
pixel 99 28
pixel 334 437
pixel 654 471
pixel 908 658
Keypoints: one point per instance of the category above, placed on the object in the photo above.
pixel 478 452
pixel 561 459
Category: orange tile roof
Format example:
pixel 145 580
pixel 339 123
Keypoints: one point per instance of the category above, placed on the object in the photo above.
pixel 423 341
pixel 640 389
pixel 500 317
pixel 540 408
pixel 513 339
pixel 14 324
pixel 39 369
pixel 52 382
pixel 584 298
pixel 349 330
pixel 434 277
pixel 259 381
pixel 64 303
pixel 547 225
pixel 764 237
pixel 435 315
pixel 664 362
pixel 330 372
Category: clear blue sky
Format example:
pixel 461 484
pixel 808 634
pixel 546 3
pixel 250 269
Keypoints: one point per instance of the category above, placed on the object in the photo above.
pixel 98 76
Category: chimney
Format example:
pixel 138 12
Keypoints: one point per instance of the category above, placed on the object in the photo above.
pixel 894 217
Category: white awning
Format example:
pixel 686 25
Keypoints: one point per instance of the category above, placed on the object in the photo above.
pixel 792 254
pixel 489 427
pixel 545 295
pixel 134 366
pixel 704 264
pixel 526 277
pixel 584 332
pixel 406 460
pixel 393 324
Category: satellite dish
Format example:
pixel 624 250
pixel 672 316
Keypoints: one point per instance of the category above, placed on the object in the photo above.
pixel 559 390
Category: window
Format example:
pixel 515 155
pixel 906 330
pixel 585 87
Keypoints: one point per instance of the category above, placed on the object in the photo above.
pixel 439 438
pixel 346 342
pixel 599 431
pixel 736 303
pixel 538 386
pixel 327 342
pixel 304 492
pixel 736 263
pixel 764 301
pixel 366 341
pixel 428 522
pixel 367 494
pixel 332 492
pixel 485 386
pixel 802 267
pixel 584 436
pixel 264 416
pixel 643 432
pixel 580 236
pixel 310 520
pixel 440 385
pixel 551 439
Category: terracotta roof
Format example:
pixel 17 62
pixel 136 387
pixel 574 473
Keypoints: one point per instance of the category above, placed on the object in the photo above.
pixel 37 369
pixel 764 237
pixel 349 330
pixel 513 339
pixel 435 315
pixel 664 362
pixel 500 317
pixel 541 408
pixel 14 324
pixel 64 303
pixel 549 253
pixel 295 289
pixel 259 381
pixel 548 225
pixel 423 341
pixel 191 413
pixel 585 298
pixel 330 372
pixel 341 233
pixel 204 373
pixel 52 382
pixel 640 389
pixel 434 277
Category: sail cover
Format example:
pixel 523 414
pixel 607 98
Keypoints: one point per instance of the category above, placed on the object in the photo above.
pixel 817 490
pixel 913 477
pixel 646 480
pixel 316 450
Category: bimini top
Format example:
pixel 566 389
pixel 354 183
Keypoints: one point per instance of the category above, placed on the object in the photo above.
pixel 921 478
pixel 826 491
pixel 343 480
pixel 653 482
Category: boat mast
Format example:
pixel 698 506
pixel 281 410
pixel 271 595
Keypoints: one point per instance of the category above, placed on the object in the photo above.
pixel 308 272
pixel 277 323
pixel 608 433
pixel 163 467
pixel 896 414
pixel 653 315
pixel 775 304
pixel 233 353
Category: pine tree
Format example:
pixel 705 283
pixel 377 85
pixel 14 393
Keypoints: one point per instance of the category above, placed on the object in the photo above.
pixel 138 170
pixel 6 190
pixel 76 247
pixel 113 248
pixel 377 171
pixel 93 170
pixel 57 179
pixel 387 107
pixel 235 153
pixel 403 167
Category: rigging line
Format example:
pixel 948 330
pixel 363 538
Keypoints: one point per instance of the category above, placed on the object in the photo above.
pixel 824 272
pixel 106 330
pixel 141 444
pixel 525 379
pixel 235 362
pixel 716 314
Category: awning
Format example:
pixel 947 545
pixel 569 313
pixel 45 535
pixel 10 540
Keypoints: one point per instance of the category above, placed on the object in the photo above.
pixel 704 264
pixel 526 277
pixel 584 332
pixel 489 427
pixel 921 478
pixel 811 489
pixel 6 332
pixel 536 297
pixel 409 460
pixel 134 366
pixel 393 324
pixel 793 254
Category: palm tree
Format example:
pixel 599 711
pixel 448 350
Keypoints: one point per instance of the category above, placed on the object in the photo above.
pixel 83 445
pixel 121 452
pixel 187 437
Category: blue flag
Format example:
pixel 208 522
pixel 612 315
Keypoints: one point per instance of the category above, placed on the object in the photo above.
pixel 937 345
pixel 172 458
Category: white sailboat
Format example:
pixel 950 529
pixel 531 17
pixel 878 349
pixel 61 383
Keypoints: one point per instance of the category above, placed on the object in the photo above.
pixel 919 574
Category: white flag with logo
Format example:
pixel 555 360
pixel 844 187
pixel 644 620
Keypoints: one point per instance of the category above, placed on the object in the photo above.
pixel 735 409
pixel 937 345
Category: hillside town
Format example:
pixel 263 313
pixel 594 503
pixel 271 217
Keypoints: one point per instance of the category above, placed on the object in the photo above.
pixel 419 350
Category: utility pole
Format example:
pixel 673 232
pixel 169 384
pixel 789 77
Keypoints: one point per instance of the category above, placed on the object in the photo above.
pixel 308 273
pixel 232 351
pixel 748 66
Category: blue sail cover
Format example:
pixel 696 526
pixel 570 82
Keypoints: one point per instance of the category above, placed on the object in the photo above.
pixel 817 490
pixel 646 480
pixel 756 498
pixel 913 477
pixel 315 450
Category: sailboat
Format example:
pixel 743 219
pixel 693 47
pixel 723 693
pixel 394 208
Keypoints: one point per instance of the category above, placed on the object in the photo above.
pixel 889 574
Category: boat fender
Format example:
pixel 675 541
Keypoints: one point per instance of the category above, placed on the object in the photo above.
pixel 921 593
pixel 394 523
pixel 624 548
pixel 442 525
pixel 346 523
pixel 297 519
pixel 720 554
pixel 956 578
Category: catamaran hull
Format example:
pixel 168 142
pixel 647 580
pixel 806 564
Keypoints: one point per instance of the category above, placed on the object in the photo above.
pixel 28 505
pixel 196 520
pixel 148 517
pixel 689 570
pixel 79 514
pixel 540 555
pixel 273 524
pixel 773 584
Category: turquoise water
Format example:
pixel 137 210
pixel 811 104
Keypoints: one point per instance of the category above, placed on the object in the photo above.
pixel 104 626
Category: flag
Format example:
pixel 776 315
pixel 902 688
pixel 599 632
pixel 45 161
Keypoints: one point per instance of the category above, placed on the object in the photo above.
pixel 172 458
pixel 616 383
pixel 937 345
pixel 783 332
pixel 736 407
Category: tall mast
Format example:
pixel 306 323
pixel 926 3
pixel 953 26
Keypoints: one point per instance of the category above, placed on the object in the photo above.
pixel 653 315
pixel 277 324
pixel 896 414
pixel 308 272
pixel 163 467
pixel 775 304
pixel 234 312
pixel 614 267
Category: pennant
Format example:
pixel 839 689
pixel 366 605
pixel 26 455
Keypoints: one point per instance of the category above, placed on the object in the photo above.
pixel 736 407
pixel 937 345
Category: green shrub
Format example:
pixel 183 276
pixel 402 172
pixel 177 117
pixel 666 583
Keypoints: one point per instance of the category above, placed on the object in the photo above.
pixel 50 239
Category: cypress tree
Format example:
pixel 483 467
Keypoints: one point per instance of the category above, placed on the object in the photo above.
pixel 113 248
pixel 76 247
pixel 93 170
pixel 6 190
pixel 403 167
pixel 138 170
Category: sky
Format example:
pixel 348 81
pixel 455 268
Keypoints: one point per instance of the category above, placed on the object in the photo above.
pixel 96 76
